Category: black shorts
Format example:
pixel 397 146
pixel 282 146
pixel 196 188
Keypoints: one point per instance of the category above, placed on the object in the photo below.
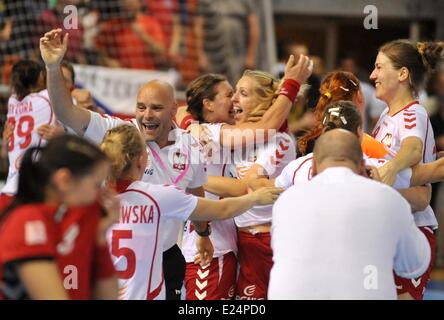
pixel 174 272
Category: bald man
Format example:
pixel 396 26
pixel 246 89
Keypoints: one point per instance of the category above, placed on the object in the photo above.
pixel 341 235
pixel 174 158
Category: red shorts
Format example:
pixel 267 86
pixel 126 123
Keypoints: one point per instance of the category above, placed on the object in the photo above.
pixel 416 287
pixel 255 260
pixel 5 200
pixel 214 282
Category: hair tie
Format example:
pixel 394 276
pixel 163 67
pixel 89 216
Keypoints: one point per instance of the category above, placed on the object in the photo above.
pixel 420 49
pixel 328 95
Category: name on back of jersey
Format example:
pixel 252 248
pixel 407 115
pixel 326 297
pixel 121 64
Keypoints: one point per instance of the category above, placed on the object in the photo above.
pixel 20 108
pixel 137 214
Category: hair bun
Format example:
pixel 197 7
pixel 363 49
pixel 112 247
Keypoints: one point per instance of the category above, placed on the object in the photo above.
pixel 431 53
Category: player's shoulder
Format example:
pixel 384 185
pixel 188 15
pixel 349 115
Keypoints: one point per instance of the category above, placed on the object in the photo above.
pixel 24 214
pixel 302 160
pixel 413 109
pixel 41 96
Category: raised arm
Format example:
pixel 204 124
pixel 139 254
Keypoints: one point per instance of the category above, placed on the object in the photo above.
pixel 53 46
pixel 275 116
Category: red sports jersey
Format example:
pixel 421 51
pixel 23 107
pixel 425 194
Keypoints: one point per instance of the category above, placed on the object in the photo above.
pixel 39 231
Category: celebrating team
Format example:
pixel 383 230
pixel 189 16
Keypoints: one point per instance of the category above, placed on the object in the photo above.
pixel 113 215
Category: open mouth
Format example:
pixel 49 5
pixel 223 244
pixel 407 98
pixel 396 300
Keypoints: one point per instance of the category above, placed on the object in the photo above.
pixel 149 126
pixel 237 110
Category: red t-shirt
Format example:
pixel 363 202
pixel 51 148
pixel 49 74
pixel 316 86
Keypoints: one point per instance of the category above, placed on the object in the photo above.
pixel 39 231
pixel 122 43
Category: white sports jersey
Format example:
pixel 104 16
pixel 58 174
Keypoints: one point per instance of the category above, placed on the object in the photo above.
pixel 344 240
pixel 28 114
pixel 224 233
pixel 273 157
pixel 135 242
pixel 411 121
pixel 402 178
pixel 178 164
pixel 300 170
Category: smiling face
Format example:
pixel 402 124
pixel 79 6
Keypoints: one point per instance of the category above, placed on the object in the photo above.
pixel 386 78
pixel 156 108
pixel 221 106
pixel 244 99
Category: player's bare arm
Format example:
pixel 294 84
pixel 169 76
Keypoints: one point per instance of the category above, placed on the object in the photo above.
pixel 226 187
pixel 207 209
pixel 42 280
pixel 418 197
pixel 409 154
pixel 427 173
pixel 53 46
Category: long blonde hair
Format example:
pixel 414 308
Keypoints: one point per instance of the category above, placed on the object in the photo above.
pixel 266 89
pixel 122 145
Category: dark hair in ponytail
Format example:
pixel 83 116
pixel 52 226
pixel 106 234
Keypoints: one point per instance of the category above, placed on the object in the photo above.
pixel 342 115
pixel 419 58
pixel 25 76
pixel 39 164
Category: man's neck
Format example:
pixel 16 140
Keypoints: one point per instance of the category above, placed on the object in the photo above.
pixel 164 141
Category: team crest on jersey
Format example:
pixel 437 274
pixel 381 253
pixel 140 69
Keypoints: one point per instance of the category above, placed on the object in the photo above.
pixel 179 161
pixel 387 141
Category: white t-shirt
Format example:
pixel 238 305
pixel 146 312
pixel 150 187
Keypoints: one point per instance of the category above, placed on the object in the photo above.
pixel 180 163
pixel 135 242
pixel 300 170
pixel 273 157
pixel 28 114
pixel 224 233
pixel 411 121
pixel 340 236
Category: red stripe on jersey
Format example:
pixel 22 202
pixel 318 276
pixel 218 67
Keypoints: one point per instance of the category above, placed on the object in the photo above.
pixel 294 175
pixel 152 295
pixel 157 236
pixel 406 107
pixel 410 126
pixel 283 146
pixel 410 120
pixel 279 155
pixel 425 142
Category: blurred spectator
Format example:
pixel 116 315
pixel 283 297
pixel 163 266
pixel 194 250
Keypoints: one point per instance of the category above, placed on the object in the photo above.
pixel 168 13
pixel 84 99
pixel 132 40
pixel 227 35
pixel 437 121
pixel 53 18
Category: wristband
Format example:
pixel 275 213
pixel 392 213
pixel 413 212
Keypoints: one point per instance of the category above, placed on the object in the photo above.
pixel 290 89
pixel 205 233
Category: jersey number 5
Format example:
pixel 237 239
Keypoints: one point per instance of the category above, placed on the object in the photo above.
pixel 24 126
pixel 125 252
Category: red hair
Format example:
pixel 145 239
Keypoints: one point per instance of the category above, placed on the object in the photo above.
pixel 337 85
